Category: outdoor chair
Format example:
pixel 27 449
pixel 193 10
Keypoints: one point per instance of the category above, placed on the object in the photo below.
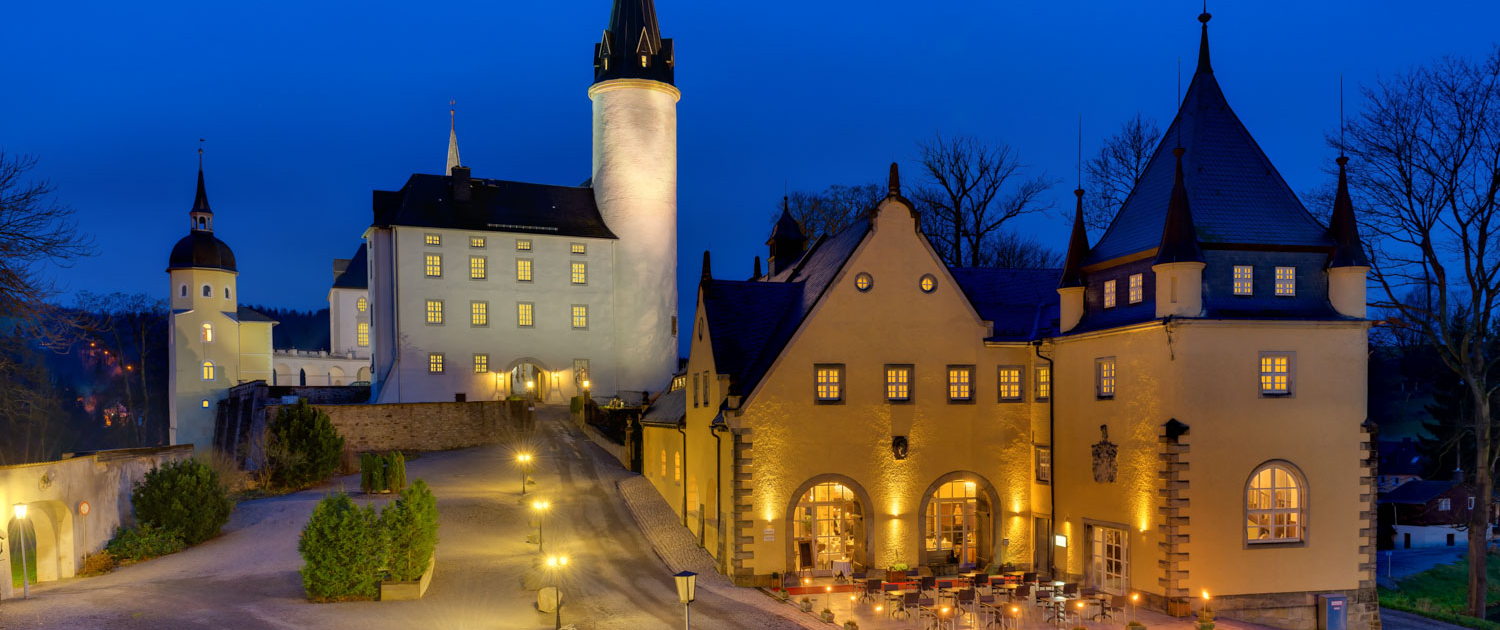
pixel 929 583
pixel 872 588
pixel 989 606
pixel 1070 589
pixel 927 609
pixel 892 598
pixel 964 600
pixel 910 604
pixel 1029 578
pixel 1116 606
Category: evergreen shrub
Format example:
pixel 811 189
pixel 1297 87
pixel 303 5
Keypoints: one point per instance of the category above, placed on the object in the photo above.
pixel 343 547
pixel 134 544
pixel 395 471
pixel 410 525
pixel 305 448
pixel 185 497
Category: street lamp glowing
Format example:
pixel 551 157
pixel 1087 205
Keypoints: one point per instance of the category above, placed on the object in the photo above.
pixel 556 562
pixel 530 384
pixel 585 384
pixel 524 460
pixel 20 511
pixel 540 506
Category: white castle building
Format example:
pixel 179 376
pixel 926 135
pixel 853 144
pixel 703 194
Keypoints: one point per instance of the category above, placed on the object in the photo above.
pixel 484 288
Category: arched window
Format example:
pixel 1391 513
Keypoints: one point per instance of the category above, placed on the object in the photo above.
pixel 182 291
pixel 208 332
pixel 362 334
pixel 361 304
pixel 1275 502
pixel 226 293
pixel 208 291
pixel 208 370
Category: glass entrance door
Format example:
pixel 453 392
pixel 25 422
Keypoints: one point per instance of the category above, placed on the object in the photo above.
pixel 1111 560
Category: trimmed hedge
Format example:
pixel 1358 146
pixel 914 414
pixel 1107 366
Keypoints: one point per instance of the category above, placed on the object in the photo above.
pixel 304 446
pixel 382 473
pixel 142 543
pixel 185 497
pixel 343 547
pixel 411 525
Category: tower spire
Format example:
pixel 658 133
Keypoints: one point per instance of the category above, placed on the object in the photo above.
pixel 1179 238
pixel 1203 63
pixel 632 46
pixel 1078 247
pixel 453 161
pixel 201 216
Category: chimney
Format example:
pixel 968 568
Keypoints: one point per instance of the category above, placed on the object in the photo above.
pixel 756 275
pixel 461 187
pixel 339 266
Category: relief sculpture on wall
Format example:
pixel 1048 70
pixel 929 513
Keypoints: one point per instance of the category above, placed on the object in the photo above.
pixel 1104 457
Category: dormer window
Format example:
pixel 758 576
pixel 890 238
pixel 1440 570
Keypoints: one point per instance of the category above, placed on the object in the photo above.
pixel 1244 277
pixel 208 291
pixel 1109 294
pixel 643 61
pixel 1286 281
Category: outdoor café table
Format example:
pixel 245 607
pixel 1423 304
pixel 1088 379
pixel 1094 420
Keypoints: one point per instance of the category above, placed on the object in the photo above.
pixel 1059 605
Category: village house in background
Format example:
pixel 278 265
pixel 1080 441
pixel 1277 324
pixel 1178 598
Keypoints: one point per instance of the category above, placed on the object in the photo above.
pixel 1181 409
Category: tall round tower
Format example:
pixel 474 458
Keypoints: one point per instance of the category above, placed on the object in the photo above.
pixel 635 186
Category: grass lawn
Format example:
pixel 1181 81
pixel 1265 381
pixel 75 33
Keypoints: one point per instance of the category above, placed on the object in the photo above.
pixel 1441 593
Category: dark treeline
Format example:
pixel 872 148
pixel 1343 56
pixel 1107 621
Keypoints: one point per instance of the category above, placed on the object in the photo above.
pixel 302 330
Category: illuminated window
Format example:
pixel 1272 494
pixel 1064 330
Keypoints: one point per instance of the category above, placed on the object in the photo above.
pixel 822 516
pixel 476 242
pixel 580 273
pixel 1286 281
pixel 1244 279
pixel 1273 505
pixel 928 283
pixel 1109 294
pixel 524 314
pixel 863 282
pixel 828 383
pixel 960 383
pixel 435 363
pixel 434 239
pixel 664 463
pixel 1010 382
pixel 1044 464
pixel 523 244
pixel 434 265
pixel 481 363
pixel 1137 288
pixel 205 403
pixel 1275 374
pixel 578 248
pixel 476 267
pixel 580 316
pixel 523 270
pixel 362 334
pixel 479 313
pixel 361 304
pixel 208 332
pixel 952 522
pixel 643 61
pixel 1044 382
pixel 898 383
pixel 1104 377
pixel 676 466
pixel 434 311
pixel 208 370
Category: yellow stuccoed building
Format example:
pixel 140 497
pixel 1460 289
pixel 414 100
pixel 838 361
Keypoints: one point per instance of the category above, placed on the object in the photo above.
pixel 1180 410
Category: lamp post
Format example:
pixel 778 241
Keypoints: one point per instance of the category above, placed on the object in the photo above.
pixel 554 565
pixel 687 584
pixel 524 461
pixel 20 512
pixel 530 385
pixel 541 512
pixel 1135 599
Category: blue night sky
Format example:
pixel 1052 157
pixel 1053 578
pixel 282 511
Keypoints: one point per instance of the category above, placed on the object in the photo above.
pixel 307 107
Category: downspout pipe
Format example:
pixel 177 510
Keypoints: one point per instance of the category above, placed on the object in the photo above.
pixel 1052 450
pixel 682 428
pixel 718 485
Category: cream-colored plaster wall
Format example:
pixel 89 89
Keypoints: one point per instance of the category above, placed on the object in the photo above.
pixel 190 421
pixel 711 460
pixel 795 440
pixel 1206 374
pixel 659 446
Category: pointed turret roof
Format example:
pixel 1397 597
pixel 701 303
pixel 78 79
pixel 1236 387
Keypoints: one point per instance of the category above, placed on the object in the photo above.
pixel 632 46
pixel 200 249
pixel 1236 194
pixel 787 228
pixel 1349 251
pixel 200 201
pixel 1078 248
pixel 453 161
pixel 1179 240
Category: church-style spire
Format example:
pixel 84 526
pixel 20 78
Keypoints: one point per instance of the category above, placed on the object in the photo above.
pixel 1179 239
pixel 894 182
pixel 787 241
pixel 632 46
pixel 1203 64
pixel 1078 248
pixel 201 216
pixel 1348 250
pixel 453 161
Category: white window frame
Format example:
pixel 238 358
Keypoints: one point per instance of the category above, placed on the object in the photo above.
pixel 828 383
pixel 1291 374
pixel 1137 288
pixel 1043 387
pixel 434 316
pixel 479 313
pixel 1264 505
pixel 1043 462
pixel 529 266
pixel 1106 378
pixel 525 314
pixel 432 265
pixel 573 314
pixel 481 363
pixel 1109 294
pixel 1445 504
pixel 479 265
pixel 1244 280
pixel 1008 383
pixel 436 364
pixel 1286 286
pixel 961 385
pixel 578 273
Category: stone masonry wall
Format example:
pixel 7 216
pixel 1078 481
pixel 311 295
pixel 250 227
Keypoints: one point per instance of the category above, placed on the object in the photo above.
pixel 423 426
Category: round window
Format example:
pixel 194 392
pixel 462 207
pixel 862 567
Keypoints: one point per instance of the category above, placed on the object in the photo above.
pixel 863 282
pixel 928 283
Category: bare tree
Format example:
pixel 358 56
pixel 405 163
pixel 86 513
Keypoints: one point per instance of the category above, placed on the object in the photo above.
pixel 1426 167
pixel 35 230
pixel 971 190
pixel 1012 250
pixel 1114 172
pixel 134 326
pixel 833 209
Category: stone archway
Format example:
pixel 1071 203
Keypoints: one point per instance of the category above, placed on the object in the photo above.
pixel 529 370
pixel 335 375
pixel 829 514
pixel 49 542
pixel 282 375
pixel 957 518
pixel 363 375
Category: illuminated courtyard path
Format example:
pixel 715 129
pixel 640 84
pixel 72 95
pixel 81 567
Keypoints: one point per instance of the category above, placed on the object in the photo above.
pixel 247 577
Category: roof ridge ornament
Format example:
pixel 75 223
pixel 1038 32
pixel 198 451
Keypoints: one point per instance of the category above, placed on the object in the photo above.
pixel 453 161
pixel 893 183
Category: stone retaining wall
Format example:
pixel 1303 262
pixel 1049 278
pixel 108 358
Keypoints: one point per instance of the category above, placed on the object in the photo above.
pixel 1295 611
pixel 424 426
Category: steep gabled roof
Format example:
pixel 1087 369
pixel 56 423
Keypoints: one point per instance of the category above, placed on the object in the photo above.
pixel 356 275
pixel 1021 303
pixel 632 34
pixel 1237 196
pixel 1342 227
pixel 1078 248
pixel 494 205
pixel 1417 492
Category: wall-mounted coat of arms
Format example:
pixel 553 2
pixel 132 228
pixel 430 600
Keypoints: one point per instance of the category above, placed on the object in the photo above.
pixel 1104 457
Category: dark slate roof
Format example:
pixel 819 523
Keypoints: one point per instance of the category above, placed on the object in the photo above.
pixel 1236 194
pixel 668 410
pixel 1078 248
pixel 1417 492
pixel 355 276
pixel 1022 303
pixel 246 314
pixel 1179 239
pixel 494 205
pixel 752 321
pixel 1342 227
pixel 200 200
pixel 200 249
pixel 633 32
pixel 786 228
